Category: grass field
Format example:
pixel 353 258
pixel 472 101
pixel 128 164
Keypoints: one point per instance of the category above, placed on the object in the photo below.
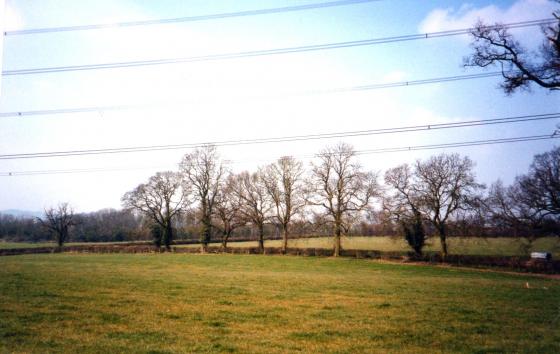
pixel 167 303
pixel 5 245
pixel 500 246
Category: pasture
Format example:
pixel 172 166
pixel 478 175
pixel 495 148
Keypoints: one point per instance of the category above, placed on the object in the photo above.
pixel 176 303
pixel 498 246
pixel 8 244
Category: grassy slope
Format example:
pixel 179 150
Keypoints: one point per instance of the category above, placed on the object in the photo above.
pixel 234 303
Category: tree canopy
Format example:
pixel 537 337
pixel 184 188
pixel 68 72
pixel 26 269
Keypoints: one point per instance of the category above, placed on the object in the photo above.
pixel 494 45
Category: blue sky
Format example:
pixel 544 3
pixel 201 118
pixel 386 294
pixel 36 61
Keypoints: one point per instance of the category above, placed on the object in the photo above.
pixel 210 98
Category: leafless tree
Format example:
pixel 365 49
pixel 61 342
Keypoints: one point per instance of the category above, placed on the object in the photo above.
pixel 503 209
pixel 540 188
pixel 255 204
pixel 405 202
pixel 228 210
pixel 405 205
pixel 436 188
pixel 533 199
pixel 162 198
pixel 340 186
pixel 495 45
pixel 284 183
pixel 58 221
pixel 205 172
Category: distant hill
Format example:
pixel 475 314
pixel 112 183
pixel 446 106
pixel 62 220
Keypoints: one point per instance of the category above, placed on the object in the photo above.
pixel 22 213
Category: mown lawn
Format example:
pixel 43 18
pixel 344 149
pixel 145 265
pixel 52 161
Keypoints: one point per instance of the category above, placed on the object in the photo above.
pixel 167 303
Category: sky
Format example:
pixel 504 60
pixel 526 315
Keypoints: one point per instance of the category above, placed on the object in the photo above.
pixel 251 97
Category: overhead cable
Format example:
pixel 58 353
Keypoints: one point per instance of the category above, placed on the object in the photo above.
pixel 256 53
pixel 395 130
pixel 358 152
pixel 101 109
pixel 187 18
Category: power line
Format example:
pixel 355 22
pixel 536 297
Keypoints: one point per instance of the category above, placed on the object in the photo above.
pixel 358 152
pixel 188 18
pixel 73 171
pixel 460 144
pixel 410 83
pixel 303 93
pixel 256 53
pixel 395 130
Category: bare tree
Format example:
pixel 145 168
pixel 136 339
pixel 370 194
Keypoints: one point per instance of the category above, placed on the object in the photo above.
pixel 205 172
pixel 443 184
pixel 405 205
pixel 405 202
pixel 228 212
pixel 532 201
pixel 58 221
pixel 503 210
pixel 340 186
pixel 255 203
pixel 540 188
pixel 495 45
pixel 161 199
pixel 285 185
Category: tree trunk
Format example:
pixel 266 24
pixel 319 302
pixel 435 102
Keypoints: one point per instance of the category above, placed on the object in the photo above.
pixel 284 239
pixel 225 237
pixel 337 233
pixel 443 240
pixel 206 232
pixel 168 237
pixel 60 239
pixel 261 238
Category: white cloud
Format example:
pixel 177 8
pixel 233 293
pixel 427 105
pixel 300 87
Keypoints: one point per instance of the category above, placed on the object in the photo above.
pixel 467 15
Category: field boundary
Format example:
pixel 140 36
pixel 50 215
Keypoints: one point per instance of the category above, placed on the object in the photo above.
pixel 516 263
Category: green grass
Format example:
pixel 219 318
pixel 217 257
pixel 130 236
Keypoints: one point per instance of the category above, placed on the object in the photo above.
pixel 167 303
pixel 5 244
pixel 500 246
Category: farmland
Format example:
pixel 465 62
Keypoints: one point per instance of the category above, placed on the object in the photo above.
pixel 498 246
pixel 165 303
pixel 6 245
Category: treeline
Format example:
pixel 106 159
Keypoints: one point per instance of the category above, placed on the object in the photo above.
pixel 439 196
pixel 100 226
pixel 335 196
pixel 110 225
